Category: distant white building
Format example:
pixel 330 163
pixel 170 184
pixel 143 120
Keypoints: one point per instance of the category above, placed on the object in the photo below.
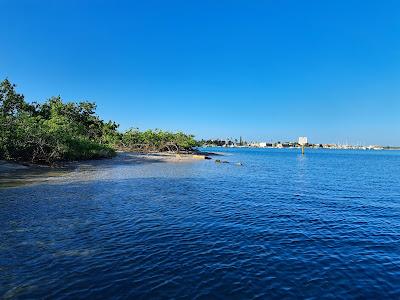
pixel 303 140
pixel 262 145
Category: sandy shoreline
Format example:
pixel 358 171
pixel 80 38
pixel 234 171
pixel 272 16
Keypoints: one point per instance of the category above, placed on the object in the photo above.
pixel 128 157
pixel 15 174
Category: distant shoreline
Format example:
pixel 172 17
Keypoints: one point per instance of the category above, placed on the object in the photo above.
pixel 320 148
pixel 7 166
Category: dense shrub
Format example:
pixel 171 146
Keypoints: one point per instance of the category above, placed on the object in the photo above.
pixel 157 139
pixel 57 131
pixel 52 131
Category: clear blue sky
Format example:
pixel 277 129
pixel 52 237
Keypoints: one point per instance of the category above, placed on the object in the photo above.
pixel 265 70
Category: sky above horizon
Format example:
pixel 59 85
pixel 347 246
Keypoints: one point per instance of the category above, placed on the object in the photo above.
pixel 263 70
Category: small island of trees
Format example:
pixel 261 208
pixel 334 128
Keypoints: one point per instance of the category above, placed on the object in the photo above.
pixel 54 131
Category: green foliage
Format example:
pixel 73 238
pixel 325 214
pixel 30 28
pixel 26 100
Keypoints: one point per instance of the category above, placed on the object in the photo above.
pixel 52 131
pixel 58 131
pixel 157 139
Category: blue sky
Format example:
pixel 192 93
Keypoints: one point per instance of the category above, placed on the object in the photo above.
pixel 264 70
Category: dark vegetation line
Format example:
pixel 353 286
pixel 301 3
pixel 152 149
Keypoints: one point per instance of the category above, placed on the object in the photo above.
pixel 57 131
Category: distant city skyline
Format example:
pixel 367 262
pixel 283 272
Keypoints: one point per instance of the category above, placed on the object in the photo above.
pixel 270 70
pixel 299 141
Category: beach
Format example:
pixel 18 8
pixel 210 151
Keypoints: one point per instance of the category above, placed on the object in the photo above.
pixel 16 174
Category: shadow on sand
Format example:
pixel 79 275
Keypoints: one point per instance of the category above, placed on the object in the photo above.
pixel 13 174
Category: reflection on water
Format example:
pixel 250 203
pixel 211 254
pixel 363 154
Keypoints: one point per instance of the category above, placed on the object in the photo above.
pixel 33 175
pixel 323 225
pixel 16 175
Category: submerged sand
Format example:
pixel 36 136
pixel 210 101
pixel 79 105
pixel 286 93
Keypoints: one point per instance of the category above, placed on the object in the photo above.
pixel 14 174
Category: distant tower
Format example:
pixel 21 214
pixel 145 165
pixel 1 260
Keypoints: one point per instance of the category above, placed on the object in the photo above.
pixel 303 141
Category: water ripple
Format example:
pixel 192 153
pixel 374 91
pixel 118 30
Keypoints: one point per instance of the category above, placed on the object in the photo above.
pixel 283 226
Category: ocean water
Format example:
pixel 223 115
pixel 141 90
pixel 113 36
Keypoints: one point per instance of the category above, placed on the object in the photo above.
pixel 325 225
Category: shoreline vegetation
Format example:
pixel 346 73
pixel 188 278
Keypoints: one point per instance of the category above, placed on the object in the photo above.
pixel 55 132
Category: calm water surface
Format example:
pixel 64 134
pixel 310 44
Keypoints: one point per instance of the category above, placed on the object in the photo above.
pixel 323 225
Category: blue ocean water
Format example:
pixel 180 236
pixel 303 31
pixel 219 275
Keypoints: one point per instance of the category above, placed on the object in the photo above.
pixel 325 225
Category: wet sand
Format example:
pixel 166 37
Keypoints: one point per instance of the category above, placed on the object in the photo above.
pixel 14 174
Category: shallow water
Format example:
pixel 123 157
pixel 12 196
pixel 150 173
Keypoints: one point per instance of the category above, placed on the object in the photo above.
pixel 323 225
